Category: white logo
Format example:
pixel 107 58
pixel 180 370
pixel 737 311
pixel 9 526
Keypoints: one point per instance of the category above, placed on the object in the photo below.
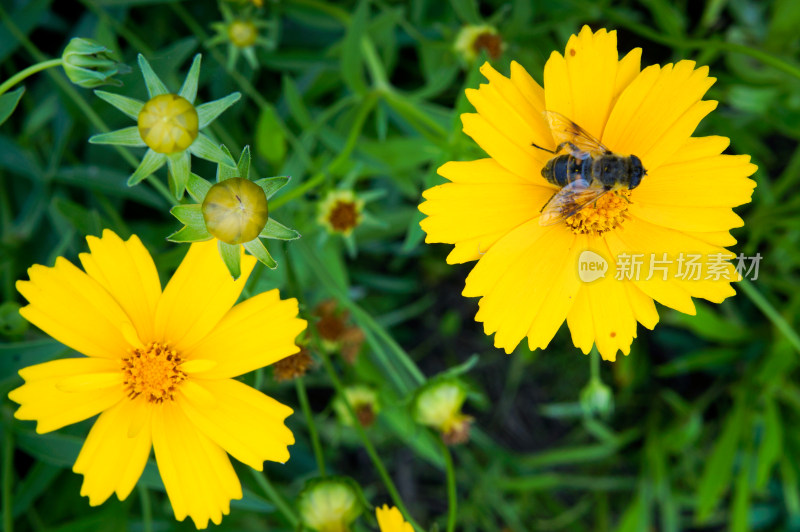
pixel 591 266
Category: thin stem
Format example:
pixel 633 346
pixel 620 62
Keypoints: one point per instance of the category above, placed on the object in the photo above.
pixel 8 479
pixel 31 70
pixel 147 510
pixel 770 312
pixel 312 427
pixel 275 497
pixel 594 358
pixel 297 192
pixel 452 498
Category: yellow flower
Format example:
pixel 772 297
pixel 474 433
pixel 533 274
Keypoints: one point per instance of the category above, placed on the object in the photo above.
pixel 527 272
pixel 391 520
pixel 160 370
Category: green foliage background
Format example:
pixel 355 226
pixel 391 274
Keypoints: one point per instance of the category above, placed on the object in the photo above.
pixel 705 432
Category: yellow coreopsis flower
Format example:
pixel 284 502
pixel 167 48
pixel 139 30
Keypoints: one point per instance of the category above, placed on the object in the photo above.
pixel 160 369
pixel 527 273
pixel 391 520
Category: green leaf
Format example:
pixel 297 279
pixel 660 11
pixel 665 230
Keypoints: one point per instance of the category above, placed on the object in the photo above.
pixel 244 163
pixel 771 448
pixel 190 233
pixel 205 148
pixel 278 231
pixel 198 187
pixel 151 162
pixel 36 483
pixel 180 167
pixel 208 112
pixel 467 11
pixel 351 62
pixel 129 106
pixel 155 86
pixel 128 136
pixel 231 256
pixel 270 140
pixel 8 102
pixel 227 172
pixel 740 506
pixel 294 100
pixel 189 89
pixel 718 470
pixel 191 215
pixel 271 185
pixel 86 222
pixel 257 249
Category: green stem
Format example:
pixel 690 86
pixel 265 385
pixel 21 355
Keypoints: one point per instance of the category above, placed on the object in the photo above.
pixel 147 510
pixel 770 312
pixel 374 65
pixel 452 498
pixel 275 497
pixel 85 108
pixel 297 192
pixel 312 427
pixel 31 70
pixel 8 479
pixel 594 357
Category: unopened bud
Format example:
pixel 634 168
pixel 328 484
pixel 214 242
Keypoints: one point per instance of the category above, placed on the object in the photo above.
pixel 597 399
pixel 235 210
pixel 87 63
pixel 330 504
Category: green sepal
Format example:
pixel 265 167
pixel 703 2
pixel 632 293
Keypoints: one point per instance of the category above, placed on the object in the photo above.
pixel 208 112
pixel 197 187
pixel 205 148
pixel 189 215
pixel 227 172
pixel 368 219
pixel 190 234
pixel 244 163
pixel 350 245
pixel 250 56
pixel 151 162
pixel 155 86
pixel 128 136
pixel 129 106
pixel 271 185
pixel 189 89
pixel 232 257
pixel 180 167
pixel 278 231
pixel 257 249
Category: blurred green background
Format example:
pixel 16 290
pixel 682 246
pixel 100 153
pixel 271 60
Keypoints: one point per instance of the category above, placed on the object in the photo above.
pixel 704 433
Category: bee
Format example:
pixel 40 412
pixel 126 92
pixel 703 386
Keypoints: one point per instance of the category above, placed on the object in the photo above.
pixel 584 169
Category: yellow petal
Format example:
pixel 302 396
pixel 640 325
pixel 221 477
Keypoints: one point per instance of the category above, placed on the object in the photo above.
pixel 246 423
pixel 91 381
pixel 253 334
pixel 391 520
pixel 523 161
pixel 126 270
pixel 76 310
pixel 110 460
pixel 196 472
pixel 40 398
pixel 199 294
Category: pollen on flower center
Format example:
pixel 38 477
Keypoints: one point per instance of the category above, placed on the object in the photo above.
pixel 168 123
pixel 153 372
pixel 606 214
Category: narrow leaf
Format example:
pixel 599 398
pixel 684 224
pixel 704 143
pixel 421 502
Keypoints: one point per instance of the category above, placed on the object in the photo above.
pixel 180 166
pixel 190 234
pixel 257 249
pixel 270 140
pixel 771 448
pixel 198 187
pixel 188 214
pixel 351 63
pixel 205 148
pixel 271 185
pixel 232 257
pixel 189 89
pixel 278 231
pixel 128 136
pixel 208 112
pixel 151 162
pixel 8 102
pixel 226 172
pixel 155 86
pixel 129 106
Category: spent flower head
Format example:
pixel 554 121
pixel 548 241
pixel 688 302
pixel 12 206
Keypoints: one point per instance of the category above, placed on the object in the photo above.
pixel 293 366
pixel 243 32
pixel 89 64
pixel 169 125
pixel 363 401
pixel 330 504
pixel 234 211
pixel 438 405
pixel 474 39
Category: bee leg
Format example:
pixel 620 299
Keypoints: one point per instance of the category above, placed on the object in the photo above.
pixel 543 149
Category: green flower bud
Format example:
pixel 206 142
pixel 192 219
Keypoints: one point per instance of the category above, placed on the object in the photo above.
pixel 330 504
pixel 168 123
pixel 88 64
pixel 235 210
pixel 438 405
pixel 597 399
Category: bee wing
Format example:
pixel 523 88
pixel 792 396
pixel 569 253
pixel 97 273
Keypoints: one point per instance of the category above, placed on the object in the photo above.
pixel 572 137
pixel 569 200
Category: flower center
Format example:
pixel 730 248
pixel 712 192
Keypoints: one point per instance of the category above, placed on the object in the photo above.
pixel 153 372
pixel 607 213
pixel 242 33
pixel 168 123
pixel 491 42
pixel 235 210
pixel 343 216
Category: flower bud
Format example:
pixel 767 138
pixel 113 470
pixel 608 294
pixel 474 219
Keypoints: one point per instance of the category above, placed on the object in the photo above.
pixel 235 210
pixel 168 123
pixel 597 399
pixel 330 504
pixel 364 402
pixel 88 64
pixel 242 33
pixel 438 405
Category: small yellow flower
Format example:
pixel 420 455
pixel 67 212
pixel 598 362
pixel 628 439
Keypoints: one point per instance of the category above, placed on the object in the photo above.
pixel 168 123
pixel 341 211
pixel 527 272
pixel 472 40
pixel 391 520
pixel 160 369
pixel 330 504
